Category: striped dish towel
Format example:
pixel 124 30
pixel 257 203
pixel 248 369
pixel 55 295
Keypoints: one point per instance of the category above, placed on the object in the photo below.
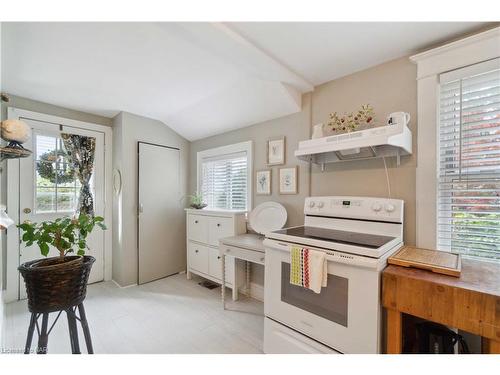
pixel 308 268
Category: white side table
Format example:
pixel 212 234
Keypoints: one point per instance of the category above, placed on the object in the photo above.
pixel 247 247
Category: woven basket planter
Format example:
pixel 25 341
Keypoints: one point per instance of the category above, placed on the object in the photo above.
pixel 55 284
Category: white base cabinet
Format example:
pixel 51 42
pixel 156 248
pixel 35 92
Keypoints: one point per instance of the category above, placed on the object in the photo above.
pixel 204 229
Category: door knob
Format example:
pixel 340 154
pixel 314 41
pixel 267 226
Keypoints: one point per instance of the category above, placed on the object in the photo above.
pixel 27 210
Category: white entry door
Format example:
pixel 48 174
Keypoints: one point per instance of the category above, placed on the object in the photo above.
pixel 160 213
pixel 48 191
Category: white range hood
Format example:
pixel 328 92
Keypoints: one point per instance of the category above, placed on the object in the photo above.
pixel 382 141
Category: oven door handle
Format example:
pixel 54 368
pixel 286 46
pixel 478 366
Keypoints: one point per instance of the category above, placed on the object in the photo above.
pixel 331 256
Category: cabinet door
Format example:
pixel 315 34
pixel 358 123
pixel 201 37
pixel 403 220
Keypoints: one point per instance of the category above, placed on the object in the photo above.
pixel 219 227
pixel 198 257
pixel 197 228
pixel 215 266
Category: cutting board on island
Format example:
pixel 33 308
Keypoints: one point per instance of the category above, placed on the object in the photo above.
pixel 443 262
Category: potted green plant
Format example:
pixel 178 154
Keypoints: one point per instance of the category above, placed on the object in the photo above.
pixel 57 283
pixel 197 201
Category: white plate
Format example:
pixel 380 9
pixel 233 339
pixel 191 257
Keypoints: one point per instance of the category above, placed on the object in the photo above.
pixel 267 217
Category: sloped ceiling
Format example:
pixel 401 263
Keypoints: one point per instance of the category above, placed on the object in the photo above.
pixel 323 51
pixel 200 79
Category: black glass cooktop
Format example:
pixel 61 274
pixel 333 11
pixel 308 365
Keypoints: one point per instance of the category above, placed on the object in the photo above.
pixel 371 241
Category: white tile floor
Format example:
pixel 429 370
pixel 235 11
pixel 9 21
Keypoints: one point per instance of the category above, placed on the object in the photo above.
pixel 172 315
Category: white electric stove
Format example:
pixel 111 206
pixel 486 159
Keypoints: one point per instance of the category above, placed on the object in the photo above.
pixel 357 234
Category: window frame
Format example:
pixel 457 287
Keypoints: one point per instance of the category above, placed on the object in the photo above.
pixel 430 64
pixel 458 75
pixel 242 147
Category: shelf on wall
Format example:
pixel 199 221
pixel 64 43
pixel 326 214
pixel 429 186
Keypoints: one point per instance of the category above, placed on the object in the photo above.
pixel 10 152
pixel 384 141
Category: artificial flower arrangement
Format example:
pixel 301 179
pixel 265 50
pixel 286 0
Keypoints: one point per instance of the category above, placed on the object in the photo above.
pixel 350 122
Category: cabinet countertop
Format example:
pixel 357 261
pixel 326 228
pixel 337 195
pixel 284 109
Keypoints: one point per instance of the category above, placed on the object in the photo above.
pixel 477 276
pixel 247 241
pixel 214 212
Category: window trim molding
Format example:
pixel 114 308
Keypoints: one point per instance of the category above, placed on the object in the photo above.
pixel 227 150
pixel 430 64
pixel 458 54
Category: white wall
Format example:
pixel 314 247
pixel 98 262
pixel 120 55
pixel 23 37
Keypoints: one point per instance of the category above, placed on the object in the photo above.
pixel 128 129
pixel 389 87
pixel 1 234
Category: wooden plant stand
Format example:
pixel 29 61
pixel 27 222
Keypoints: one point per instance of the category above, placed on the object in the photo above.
pixel 44 331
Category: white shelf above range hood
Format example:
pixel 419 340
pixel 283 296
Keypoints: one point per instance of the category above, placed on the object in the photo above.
pixel 382 141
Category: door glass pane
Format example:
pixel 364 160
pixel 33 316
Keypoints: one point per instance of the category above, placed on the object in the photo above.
pixel 45 199
pixel 330 304
pixel 56 187
pixel 67 199
pixel 44 146
pixel 45 188
pixel 43 176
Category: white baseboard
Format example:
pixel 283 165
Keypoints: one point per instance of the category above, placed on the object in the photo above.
pixel 256 291
pixel 123 287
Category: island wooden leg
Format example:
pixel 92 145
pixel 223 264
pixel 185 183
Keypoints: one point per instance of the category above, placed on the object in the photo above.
pixel 247 274
pixel 489 346
pixel 394 332
pixel 223 284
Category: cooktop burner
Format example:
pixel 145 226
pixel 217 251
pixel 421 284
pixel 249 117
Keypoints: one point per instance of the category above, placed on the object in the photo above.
pixel 371 241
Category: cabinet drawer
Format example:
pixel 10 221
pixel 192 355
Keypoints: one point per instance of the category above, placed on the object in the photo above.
pixel 215 266
pixel 197 228
pixel 198 257
pixel 219 227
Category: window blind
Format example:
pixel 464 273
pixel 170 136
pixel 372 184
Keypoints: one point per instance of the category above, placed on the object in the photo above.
pixel 224 181
pixel 469 161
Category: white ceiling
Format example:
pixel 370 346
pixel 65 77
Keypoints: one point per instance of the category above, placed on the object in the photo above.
pixel 321 51
pixel 200 79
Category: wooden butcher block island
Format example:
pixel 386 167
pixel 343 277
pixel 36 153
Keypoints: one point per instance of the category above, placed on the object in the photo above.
pixel 470 302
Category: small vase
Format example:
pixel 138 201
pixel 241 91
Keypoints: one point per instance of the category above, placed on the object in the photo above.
pixel 317 131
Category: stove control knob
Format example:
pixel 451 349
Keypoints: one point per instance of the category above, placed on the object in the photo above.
pixel 311 204
pixel 320 204
pixel 376 207
pixel 389 207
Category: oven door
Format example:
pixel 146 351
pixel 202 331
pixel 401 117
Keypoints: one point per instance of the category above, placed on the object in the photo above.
pixel 345 315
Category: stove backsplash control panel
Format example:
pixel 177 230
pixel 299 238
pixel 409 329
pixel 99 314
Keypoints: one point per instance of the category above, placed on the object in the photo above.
pixel 368 208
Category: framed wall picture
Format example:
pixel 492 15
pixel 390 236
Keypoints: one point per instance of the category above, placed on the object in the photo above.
pixel 288 180
pixel 263 181
pixel 276 151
